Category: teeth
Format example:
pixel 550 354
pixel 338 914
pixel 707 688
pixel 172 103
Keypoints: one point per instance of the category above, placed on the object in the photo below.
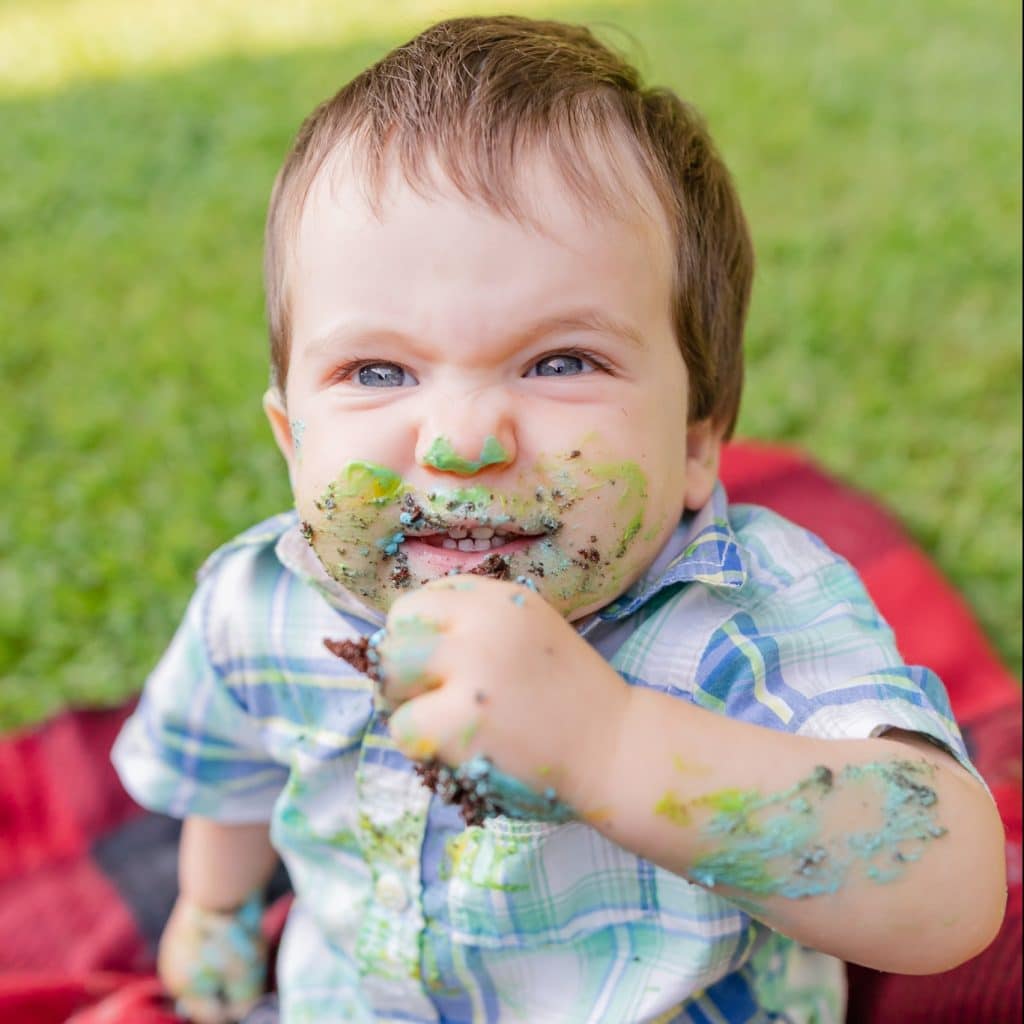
pixel 477 538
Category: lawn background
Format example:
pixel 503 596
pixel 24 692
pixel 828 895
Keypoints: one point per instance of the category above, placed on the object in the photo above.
pixel 876 146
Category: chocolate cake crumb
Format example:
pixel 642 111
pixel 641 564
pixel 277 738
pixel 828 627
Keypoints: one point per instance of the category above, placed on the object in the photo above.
pixel 352 651
pixel 575 453
pixel 413 508
pixel 495 566
pixel 430 773
pixel 440 779
pixel 400 575
pixel 471 788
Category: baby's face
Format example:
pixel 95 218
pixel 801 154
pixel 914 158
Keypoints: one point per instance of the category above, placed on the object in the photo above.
pixel 467 389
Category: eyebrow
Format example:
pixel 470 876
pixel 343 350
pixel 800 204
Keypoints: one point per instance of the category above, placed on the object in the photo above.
pixel 586 320
pixel 589 320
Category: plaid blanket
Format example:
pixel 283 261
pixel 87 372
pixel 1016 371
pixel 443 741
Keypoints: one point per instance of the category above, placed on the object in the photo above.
pixel 87 878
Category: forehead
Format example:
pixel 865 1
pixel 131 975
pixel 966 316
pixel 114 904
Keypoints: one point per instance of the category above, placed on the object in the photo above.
pixel 424 260
pixel 538 187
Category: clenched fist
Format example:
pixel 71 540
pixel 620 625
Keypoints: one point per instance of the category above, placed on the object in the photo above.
pixel 213 962
pixel 473 667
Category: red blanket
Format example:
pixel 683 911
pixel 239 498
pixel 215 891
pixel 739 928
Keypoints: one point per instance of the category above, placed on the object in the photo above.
pixel 87 878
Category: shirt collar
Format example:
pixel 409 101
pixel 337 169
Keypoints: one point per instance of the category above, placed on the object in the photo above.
pixel 702 549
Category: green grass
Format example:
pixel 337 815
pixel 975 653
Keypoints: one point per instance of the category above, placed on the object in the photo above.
pixel 877 149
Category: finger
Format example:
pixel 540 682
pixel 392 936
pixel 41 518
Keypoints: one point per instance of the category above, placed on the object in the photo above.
pixel 238 1009
pixel 245 976
pixel 442 724
pixel 414 654
pixel 476 784
pixel 202 1010
pixel 440 595
pixel 408 655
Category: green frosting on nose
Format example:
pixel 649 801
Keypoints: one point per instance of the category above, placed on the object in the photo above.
pixel 441 455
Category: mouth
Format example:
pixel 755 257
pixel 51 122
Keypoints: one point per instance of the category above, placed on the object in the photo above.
pixel 471 538
pixel 440 555
pixel 440 545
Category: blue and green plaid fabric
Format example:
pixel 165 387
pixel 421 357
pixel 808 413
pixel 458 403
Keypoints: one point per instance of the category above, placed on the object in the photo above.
pixel 402 914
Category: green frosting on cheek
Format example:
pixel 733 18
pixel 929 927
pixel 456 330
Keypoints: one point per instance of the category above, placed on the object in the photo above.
pixel 631 483
pixel 368 483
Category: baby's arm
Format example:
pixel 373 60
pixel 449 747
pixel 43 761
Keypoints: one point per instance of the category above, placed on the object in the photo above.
pixel 881 851
pixel 884 852
pixel 212 956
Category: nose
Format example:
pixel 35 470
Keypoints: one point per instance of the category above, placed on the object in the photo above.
pixel 467 435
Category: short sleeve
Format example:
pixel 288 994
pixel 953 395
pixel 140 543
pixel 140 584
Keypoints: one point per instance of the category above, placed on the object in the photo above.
pixel 815 658
pixel 191 747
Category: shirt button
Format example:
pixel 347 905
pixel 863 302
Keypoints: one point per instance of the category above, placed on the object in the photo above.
pixel 391 892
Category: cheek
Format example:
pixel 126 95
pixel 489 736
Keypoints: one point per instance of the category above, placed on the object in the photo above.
pixel 352 523
pixel 344 482
pixel 629 504
pixel 650 438
pixel 332 440
pixel 656 439
pixel 602 542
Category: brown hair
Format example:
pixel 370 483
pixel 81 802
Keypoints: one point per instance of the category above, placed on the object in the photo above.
pixel 474 95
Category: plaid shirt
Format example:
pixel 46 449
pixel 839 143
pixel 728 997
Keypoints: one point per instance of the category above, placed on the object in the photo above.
pixel 401 913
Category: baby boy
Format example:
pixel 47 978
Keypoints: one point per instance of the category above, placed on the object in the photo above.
pixel 506 292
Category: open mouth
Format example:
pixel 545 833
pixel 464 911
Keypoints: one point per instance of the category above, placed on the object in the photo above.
pixel 471 538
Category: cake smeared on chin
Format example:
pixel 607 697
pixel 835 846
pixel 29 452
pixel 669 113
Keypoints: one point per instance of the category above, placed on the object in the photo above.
pixel 572 529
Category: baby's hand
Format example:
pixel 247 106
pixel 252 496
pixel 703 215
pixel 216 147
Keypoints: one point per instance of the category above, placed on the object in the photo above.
pixel 213 962
pixel 477 667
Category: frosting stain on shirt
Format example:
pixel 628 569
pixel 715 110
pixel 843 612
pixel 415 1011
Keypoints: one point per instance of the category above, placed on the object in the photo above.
pixel 478 857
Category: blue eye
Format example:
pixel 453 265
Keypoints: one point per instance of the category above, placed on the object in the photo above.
pixel 384 375
pixel 562 365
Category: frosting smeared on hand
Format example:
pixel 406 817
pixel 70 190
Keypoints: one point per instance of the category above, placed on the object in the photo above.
pixel 214 962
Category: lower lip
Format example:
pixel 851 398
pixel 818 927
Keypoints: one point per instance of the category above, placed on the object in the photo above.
pixel 437 561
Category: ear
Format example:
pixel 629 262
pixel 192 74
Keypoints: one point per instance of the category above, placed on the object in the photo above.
pixel 273 406
pixel 703 448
